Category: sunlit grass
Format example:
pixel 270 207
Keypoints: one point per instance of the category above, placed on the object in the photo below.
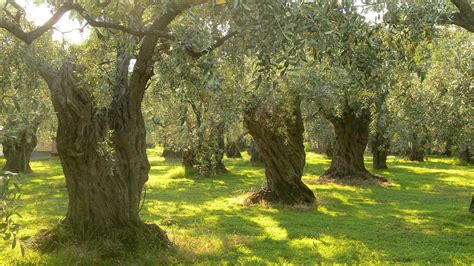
pixel 421 218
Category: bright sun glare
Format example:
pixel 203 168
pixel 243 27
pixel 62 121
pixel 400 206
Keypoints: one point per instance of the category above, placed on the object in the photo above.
pixel 66 29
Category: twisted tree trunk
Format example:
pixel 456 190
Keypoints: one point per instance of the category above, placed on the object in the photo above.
pixel 255 153
pixel 352 136
pixel 103 155
pixel 379 151
pixel 17 150
pixel 465 154
pixel 283 155
pixel 103 150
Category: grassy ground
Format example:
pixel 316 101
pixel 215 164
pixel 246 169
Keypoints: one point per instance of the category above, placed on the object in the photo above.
pixel 422 218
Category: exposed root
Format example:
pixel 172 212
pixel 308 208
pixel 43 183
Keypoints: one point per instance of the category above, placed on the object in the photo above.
pixel 265 195
pixel 361 179
pixel 111 243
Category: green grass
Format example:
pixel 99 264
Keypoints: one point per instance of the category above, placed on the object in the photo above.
pixel 422 218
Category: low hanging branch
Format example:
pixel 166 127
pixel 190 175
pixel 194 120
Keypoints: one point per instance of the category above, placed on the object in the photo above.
pixel 29 37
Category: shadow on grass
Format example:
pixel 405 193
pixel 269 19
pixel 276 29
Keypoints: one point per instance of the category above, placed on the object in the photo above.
pixel 422 219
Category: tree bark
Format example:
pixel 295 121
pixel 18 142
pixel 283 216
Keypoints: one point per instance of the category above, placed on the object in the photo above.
pixel 471 207
pixel 17 150
pixel 416 152
pixel 352 136
pixel 103 150
pixel 379 151
pixel 232 150
pixel 448 148
pixel 103 154
pixel 329 149
pixel 283 155
pixel 465 154
pixel 207 157
pixel 255 153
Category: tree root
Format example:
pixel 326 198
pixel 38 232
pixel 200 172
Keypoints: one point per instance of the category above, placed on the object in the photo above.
pixel 109 243
pixel 357 179
pixel 265 195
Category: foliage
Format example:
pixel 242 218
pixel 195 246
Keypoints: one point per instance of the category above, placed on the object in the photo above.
pixel 23 102
pixel 9 195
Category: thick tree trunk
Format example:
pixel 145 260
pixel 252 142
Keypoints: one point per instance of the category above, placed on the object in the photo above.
pixel 232 150
pixel 283 155
pixel 416 154
pixel 103 155
pixel 471 207
pixel 379 151
pixel 207 157
pixel 329 149
pixel 255 153
pixel 17 150
pixel 465 154
pixel 417 150
pixel 448 148
pixel 352 136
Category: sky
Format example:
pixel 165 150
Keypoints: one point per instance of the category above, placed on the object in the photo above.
pixel 40 13
pixel 67 29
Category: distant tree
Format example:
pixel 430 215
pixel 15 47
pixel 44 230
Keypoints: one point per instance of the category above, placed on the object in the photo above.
pixel 23 106
pixel 353 63
pixel 449 80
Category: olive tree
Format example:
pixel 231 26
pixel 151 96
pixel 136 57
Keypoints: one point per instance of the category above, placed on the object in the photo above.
pixel 102 143
pixel 22 105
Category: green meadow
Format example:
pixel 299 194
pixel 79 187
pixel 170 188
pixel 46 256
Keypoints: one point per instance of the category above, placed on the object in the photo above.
pixel 422 218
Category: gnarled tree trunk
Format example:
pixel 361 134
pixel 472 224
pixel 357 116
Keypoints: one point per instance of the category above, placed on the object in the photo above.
pixel 17 150
pixel 416 150
pixel 465 154
pixel 352 136
pixel 283 155
pixel 379 151
pixel 207 157
pixel 255 153
pixel 448 148
pixel 103 154
pixel 416 153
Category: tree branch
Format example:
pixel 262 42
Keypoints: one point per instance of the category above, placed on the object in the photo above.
pixel 29 37
pixel 219 42
pixel 465 17
pixel 143 69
